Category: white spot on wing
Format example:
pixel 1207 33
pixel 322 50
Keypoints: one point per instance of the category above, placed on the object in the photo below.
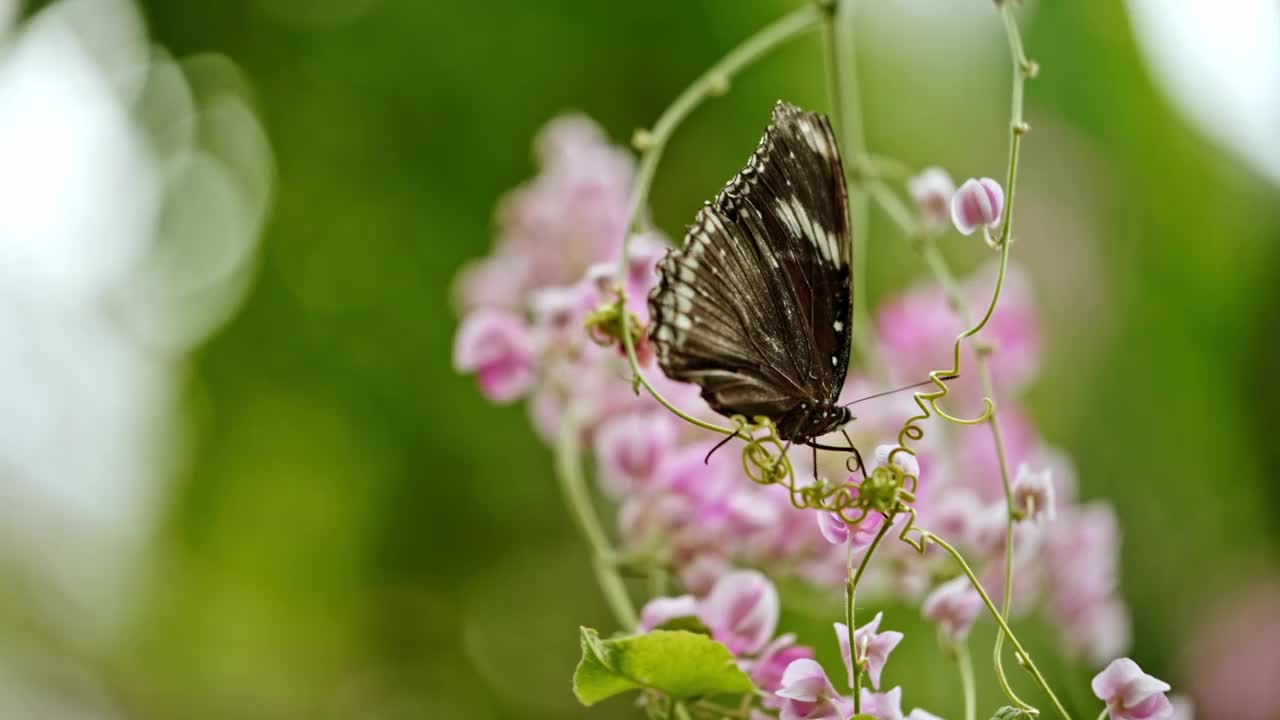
pixel 789 218
pixel 837 326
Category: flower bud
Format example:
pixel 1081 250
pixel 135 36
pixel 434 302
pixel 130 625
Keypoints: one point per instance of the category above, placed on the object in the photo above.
pixel 978 202
pixel 931 191
pixel 905 461
pixel 1033 493
pixel 953 606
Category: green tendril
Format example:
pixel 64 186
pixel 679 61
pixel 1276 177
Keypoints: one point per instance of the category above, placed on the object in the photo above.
pixel 651 143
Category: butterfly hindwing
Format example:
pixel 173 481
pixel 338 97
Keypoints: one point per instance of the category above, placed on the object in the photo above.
pixel 755 307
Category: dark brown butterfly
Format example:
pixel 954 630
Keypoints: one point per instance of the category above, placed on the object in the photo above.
pixel 755 307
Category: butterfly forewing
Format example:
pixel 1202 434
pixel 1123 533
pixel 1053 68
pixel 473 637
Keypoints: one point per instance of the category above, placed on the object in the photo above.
pixel 755 307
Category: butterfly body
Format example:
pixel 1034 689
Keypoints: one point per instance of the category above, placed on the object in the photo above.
pixel 755 308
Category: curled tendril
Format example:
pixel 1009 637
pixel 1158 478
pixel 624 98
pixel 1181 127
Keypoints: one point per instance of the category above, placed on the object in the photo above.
pixel 853 464
pixel 917 543
pixel 928 401
pixel 764 458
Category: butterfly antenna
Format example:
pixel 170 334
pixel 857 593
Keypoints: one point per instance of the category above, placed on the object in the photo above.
pixel 898 390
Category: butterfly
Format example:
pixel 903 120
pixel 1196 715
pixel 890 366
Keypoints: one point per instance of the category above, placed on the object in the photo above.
pixel 755 307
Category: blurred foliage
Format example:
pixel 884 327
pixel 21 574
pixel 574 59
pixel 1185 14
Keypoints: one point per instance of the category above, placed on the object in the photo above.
pixel 357 534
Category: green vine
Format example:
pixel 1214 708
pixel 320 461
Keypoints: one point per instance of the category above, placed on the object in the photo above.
pixel 888 490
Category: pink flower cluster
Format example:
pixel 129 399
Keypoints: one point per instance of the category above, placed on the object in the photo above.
pixel 1066 552
pixel 741 611
pixel 523 338
pixel 806 693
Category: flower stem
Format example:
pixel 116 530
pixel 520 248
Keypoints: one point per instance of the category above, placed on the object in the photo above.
pixel 578 500
pixel 842 75
pixel 1024 657
pixel 1022 69
pixel 988 389
pixel 850 598
pixel 710 83
pixel 965 663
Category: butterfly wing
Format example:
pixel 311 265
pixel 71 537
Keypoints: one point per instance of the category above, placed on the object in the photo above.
pixel 755 307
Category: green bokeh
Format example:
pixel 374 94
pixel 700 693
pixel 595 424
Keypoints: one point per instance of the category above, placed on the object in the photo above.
pixel 358 534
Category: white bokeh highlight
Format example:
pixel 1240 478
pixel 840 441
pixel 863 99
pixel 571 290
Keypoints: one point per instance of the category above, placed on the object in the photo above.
pixel 132 192
pixel 1219 63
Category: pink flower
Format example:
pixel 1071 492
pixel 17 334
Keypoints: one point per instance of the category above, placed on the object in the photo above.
pixel 767 670
pixel 552 228
pixel 1131 694
pixel 931 191
pixel 1033 493
pixel 978 202
pixel 907 462
pixel 873 648
pixel 700 574
pixel 1083 549
pixel 957 516
pixel 833 528
pixel 687 471
pixel 631 448
pixel 976 465
pixel 807 694
pixel 953 606
pixel 1097 631
pixel 741 611
pixel 659 611
pixel 885 706
pixel 838 532
pixel 1014 328
pixel 1232 657
pixel 917 329
pixel 646 249
pixel 558 311
pixel 496 346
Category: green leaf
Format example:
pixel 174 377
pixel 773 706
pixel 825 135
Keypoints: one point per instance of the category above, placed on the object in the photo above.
pixel 864 716
pixel 595 679
pixel 688 622
pixel 1009 712
pixel 679 663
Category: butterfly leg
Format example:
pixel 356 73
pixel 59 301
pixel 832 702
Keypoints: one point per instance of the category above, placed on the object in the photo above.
pixel 707 460
pixel 857 456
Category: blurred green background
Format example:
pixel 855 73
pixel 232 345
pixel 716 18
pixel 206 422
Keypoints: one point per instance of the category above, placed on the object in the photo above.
pixel 357 534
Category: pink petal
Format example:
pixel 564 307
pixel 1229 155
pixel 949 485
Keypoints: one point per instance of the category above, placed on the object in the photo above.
pixel 833 528
pixel 878 654
pixel 1155 707
pixel 1140 689
pixel 742 611
pixel 846 653
pixel 660 610
pixel 1108 684
pixel 805 680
